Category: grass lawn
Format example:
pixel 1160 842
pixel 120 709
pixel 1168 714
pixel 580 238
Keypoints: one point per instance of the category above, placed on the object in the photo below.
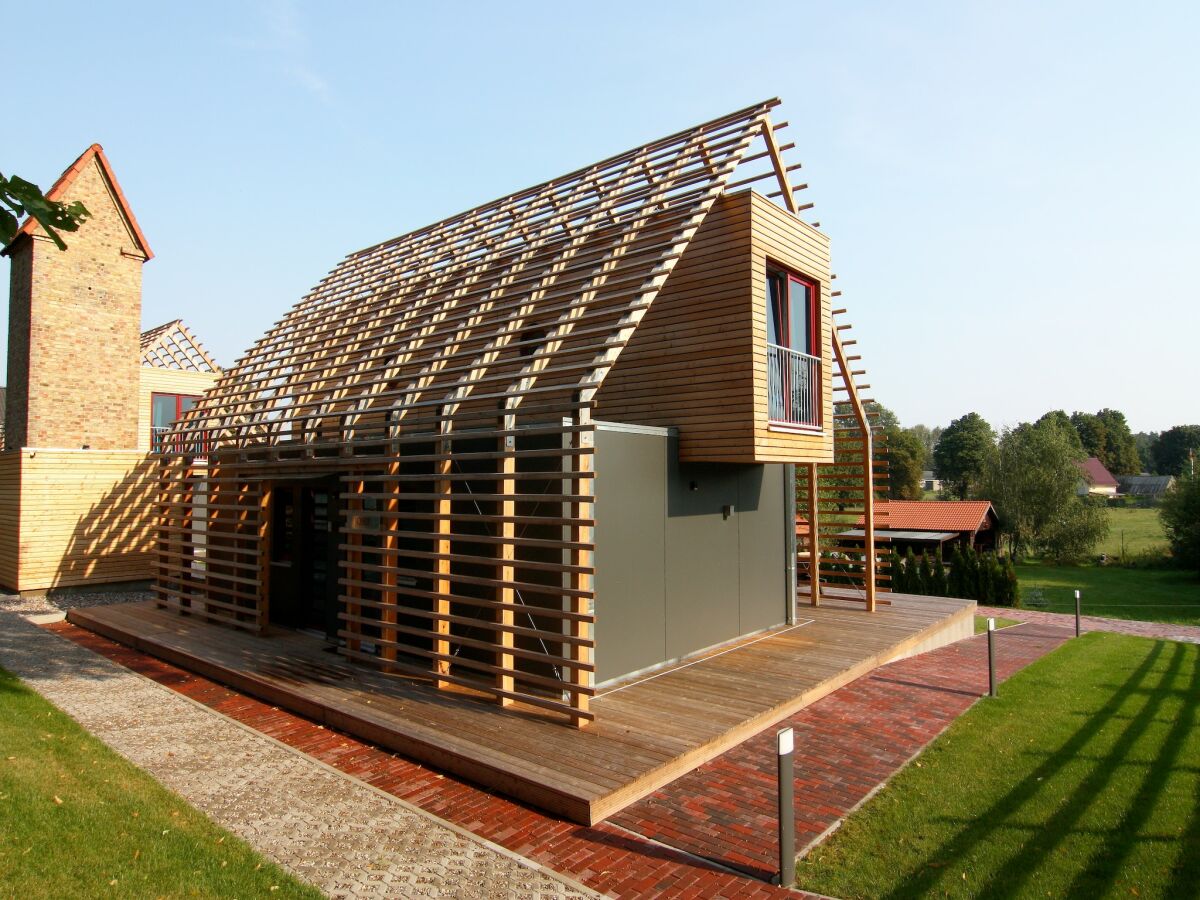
pixel 981 623
pixel 1153 595
pixel 77 820
pixel 1140 528
pixel 1081 780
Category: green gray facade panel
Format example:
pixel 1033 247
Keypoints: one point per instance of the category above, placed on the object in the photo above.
pixel 688 555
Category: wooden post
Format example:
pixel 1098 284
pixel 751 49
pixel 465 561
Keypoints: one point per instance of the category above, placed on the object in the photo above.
pixel 581 651
pixel 264 557
pixel 868 514
pixel 505 570
pixel 814 536
pixel 391 544
pixel 441 603
pixel 354 572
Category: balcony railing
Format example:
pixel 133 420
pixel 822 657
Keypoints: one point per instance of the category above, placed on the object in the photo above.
pixel 793 387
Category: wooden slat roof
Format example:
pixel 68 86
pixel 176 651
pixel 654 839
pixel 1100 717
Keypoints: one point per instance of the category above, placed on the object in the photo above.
pixel 519 306
pixel 173 346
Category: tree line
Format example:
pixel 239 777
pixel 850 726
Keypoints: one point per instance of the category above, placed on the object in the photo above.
pixel 1031 475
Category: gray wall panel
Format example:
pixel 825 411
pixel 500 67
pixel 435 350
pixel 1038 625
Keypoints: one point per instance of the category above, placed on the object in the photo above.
pixel 763 583
pixel 630 552
pixel 674 575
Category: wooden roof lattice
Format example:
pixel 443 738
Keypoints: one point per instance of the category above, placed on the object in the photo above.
pixel 173 346
pixel 520 306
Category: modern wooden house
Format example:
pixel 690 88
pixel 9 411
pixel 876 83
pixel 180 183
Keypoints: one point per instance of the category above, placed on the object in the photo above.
pixel 536 464
pixel 88 397
pixel 569 407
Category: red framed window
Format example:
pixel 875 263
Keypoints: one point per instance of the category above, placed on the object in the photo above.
pixel 793 349
pixel 165 411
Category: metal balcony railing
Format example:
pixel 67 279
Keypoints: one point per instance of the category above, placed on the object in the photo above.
pixel 793 387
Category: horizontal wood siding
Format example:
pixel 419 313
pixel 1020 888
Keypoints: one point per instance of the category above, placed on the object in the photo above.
pixel 86 517
pixel 155 380
pixel 10 521
pixel 781 238
pixel 698 360
pixel 688 364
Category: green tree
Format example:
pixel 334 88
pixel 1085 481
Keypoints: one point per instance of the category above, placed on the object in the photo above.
pixel 1144 441
pixel 1093 435
pixel 1032 482
pixel 1063 421
pixel 912 574
pixel 926 570
pixel 941 585
pixel 956 579
pixel 962 454
pixel 1074 533
pixel 19 198
pixel 1180 514
pixel 906 460
pixel 1175 450
pixel 1120 451
pixel 928 438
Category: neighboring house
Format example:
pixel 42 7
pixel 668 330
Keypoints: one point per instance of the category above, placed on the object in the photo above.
pixel 77 485
pixel 1096 479
pixel 532 448
pixel 933 525
pixel 1150 486
pixel 930 482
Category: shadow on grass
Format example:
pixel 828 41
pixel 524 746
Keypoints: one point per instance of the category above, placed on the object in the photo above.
pixel 1022 865
pixel 979 829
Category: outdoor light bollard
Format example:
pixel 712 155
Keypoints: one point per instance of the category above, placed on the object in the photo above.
pixel 785 742
pixel 992 658
pixel 1077 614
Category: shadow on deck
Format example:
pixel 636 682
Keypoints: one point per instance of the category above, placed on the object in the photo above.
pixel 648 731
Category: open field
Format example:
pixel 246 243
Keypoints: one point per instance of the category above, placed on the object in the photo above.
pixel 1080 780
pixel 77 820
pixel 1152 595
pixel 1140 529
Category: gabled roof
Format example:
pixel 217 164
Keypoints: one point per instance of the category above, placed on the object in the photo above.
pixel 173 346
pixel 1146 485
pixel 1096 474
pixel 61 191
pixel 932 515
pixel 521 305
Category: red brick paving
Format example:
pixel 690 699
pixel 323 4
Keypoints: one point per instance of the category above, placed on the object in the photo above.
pixel 847 745
pixel 1158 630
pixel 604 857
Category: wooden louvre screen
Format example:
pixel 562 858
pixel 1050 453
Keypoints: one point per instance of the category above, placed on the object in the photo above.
pixel 447 379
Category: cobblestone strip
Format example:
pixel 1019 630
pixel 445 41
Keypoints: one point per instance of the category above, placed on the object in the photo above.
pixel 346 837
pixel 1167 631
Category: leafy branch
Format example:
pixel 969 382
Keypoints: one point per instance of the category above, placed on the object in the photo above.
pixel 19 197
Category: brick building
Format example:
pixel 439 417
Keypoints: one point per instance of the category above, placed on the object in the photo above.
pixel 86 390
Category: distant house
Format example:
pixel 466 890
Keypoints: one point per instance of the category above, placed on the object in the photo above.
pixel 930 482
pixel 1152 486
pixel 1096 479
pixel 933 525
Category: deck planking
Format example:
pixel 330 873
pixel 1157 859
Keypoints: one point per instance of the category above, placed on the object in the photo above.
pixel 648 730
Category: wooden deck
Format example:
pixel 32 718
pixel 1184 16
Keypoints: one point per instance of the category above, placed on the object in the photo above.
pixel 648 731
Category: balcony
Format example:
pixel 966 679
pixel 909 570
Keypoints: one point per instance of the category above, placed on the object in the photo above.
pixel 793 387
pixel 163 440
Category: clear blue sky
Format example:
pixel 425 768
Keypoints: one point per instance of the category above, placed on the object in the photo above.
pixel 1012 189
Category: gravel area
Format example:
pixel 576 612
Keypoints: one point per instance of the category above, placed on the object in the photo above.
pixel 60 603
pixel 334 831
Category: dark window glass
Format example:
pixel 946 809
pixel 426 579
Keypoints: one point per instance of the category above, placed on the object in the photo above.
pixel 799 315
pixel 776 312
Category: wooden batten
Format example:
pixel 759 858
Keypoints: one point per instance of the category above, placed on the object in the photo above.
pixel 70 518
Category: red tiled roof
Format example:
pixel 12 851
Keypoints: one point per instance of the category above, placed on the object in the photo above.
pixel 1095 473
pixel 60 188
pixel 932 515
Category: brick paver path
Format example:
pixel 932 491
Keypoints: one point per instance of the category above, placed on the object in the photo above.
pixel 606 857
pixel 1159 630
pixel 847 745
pixel 337 833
